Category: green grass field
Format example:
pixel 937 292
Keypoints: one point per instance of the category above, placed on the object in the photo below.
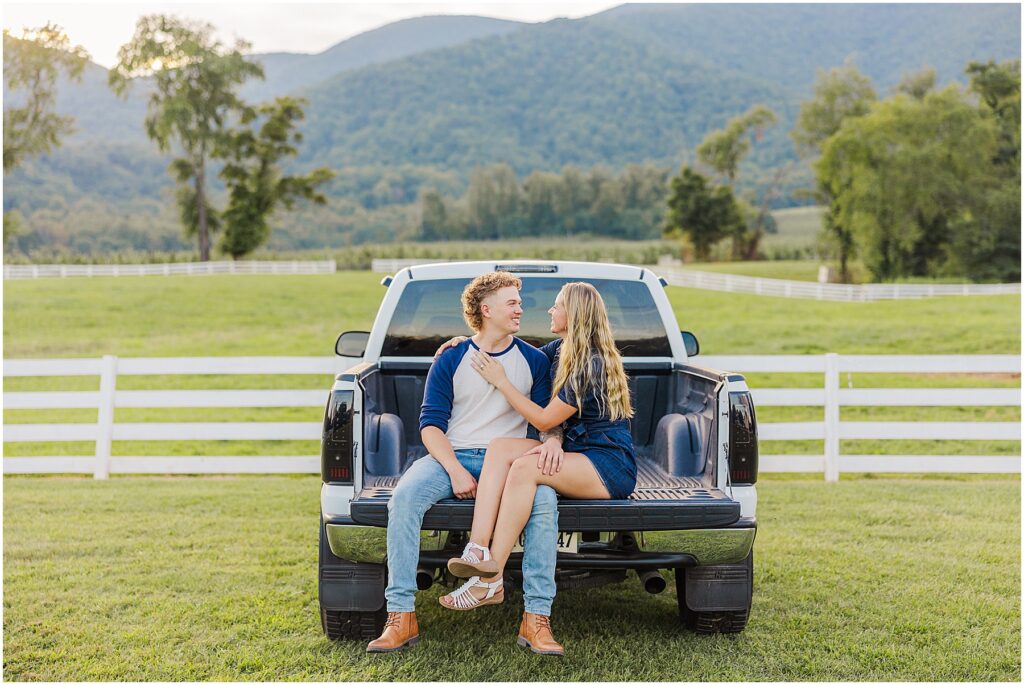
pixel 302 315
pixel 215 579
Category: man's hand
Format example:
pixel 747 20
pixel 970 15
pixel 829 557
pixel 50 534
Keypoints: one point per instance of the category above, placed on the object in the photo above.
pixel 451 343
pixel 463 483
pixel 549 456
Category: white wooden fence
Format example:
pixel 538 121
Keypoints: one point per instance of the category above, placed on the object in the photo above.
pixel 169 269
pixel 830 396
pixel 706 280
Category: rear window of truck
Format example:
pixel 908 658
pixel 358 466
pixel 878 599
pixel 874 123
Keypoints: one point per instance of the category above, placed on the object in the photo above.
pixel 430 312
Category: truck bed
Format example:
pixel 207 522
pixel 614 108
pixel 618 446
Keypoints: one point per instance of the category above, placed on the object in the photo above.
pixel 660 502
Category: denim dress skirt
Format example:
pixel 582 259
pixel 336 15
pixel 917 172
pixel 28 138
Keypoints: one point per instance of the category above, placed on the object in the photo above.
pixel 609 447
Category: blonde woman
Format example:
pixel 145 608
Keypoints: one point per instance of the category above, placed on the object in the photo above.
pixel 590 395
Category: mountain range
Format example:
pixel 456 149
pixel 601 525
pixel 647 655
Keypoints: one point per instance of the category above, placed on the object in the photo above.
pixel 423 101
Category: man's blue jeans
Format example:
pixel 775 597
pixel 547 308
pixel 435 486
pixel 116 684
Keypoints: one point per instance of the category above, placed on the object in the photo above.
pixel 426 483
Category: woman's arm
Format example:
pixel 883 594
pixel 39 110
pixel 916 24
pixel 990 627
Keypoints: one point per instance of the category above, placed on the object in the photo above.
pixel 543 418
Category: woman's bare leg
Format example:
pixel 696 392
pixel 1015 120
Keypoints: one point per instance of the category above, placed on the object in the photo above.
pixel 577 479
pixel 501 453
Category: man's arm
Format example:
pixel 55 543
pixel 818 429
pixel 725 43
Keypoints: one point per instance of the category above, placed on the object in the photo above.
pixel 438 397
pixel 440 448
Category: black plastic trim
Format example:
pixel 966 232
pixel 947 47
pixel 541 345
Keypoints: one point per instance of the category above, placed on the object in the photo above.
pixel 699 371
pixel 404 365
pixel 577 515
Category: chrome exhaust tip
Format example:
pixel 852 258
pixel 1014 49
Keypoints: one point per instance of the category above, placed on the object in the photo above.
pixel 424 578
pixel 652 581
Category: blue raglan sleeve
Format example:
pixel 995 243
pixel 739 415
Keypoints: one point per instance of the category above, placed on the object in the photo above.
pixel 439 393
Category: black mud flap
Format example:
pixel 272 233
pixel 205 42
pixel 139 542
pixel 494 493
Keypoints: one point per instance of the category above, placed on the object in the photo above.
pixel 348 586
pixel 728 587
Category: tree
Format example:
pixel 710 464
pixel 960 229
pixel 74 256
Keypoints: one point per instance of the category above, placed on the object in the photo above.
pixel 194 98
pixel 252 175
pixel 508 203
pixel 917 84
pixel 539 190
pixel 907 175
pixel 724 149
pixel 841 94
pixel 987 245
pixel 32 63
pixel 481 206
pixel 702 212
pixel 573 201
pixel 433 217
pixel 998 85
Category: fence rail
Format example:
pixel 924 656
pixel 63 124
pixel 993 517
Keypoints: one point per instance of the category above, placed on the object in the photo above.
pixel 830 396
pixel 731 283
pixel 13 271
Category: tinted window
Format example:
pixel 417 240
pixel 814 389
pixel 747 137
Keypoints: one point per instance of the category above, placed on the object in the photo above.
pixel 430 312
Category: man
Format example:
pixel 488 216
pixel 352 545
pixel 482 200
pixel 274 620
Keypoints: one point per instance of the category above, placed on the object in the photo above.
pixel 461 414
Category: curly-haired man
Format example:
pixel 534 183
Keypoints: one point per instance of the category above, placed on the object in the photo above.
pixel 461 414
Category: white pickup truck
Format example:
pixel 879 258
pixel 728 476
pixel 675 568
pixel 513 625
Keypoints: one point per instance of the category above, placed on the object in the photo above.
pixel 693 510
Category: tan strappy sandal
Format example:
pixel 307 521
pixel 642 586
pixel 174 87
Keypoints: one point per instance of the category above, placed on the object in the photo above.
pixel 464 600
pixel 472 563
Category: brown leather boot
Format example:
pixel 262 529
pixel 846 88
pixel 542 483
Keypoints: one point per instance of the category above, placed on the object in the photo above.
pixel 400 631
pixel 535 633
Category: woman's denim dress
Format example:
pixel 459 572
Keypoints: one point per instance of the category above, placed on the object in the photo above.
pixel 607 444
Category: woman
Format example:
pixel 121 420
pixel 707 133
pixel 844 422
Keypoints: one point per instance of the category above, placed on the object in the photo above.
pixel 590 394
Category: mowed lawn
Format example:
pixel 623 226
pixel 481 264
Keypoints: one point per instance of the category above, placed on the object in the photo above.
pixel 215 579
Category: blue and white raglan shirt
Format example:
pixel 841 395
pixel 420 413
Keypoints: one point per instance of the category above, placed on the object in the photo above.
pixel 471 411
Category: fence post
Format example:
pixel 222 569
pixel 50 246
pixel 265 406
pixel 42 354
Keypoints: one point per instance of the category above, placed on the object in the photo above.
pixel 831 417
pixel 105 421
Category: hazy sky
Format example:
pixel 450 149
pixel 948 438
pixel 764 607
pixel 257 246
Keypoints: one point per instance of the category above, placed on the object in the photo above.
pixel 101 28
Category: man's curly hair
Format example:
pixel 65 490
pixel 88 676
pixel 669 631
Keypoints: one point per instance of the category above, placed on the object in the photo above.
pixel 478 290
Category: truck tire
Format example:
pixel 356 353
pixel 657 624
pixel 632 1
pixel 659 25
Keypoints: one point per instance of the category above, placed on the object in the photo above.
pixel 709 622
pixel 341 624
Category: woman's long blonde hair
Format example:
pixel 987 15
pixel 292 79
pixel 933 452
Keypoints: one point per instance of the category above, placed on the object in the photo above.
pixel 588 334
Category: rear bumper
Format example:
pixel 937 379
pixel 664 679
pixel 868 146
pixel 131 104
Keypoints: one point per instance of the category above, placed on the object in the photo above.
pixel 729 544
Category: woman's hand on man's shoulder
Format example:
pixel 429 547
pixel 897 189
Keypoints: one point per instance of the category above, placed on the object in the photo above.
pixel 457 340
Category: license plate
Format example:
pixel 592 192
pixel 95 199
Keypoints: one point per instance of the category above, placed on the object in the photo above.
pixel 568 543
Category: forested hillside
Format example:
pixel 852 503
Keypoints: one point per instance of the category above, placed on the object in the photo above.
pixel 420 104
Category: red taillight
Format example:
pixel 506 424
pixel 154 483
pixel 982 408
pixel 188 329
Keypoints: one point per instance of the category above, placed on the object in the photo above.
pixel 336 445
pixel 742 439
